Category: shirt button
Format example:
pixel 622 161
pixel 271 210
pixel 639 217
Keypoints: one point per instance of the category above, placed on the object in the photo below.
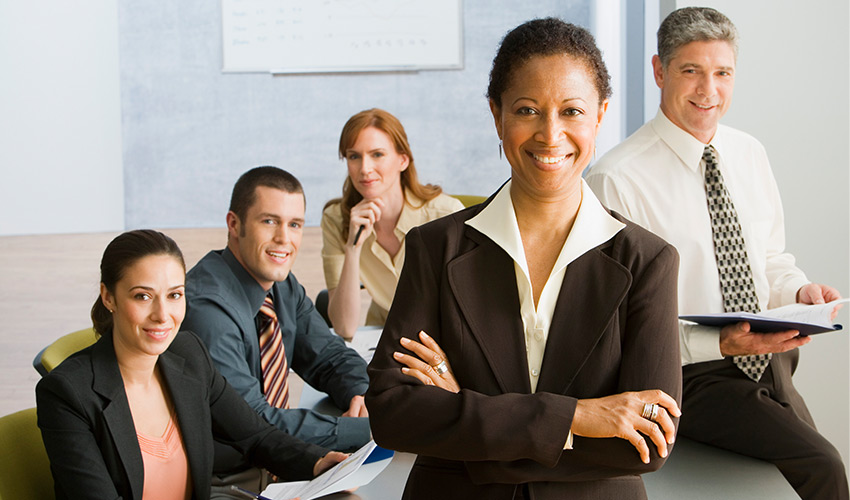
pixel 534 373
pixel 538 334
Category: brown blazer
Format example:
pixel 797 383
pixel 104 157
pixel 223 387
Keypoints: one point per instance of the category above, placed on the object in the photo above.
pixel 614 329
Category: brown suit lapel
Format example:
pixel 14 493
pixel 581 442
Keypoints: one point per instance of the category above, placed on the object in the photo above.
pixel 594 286
pixel 484 284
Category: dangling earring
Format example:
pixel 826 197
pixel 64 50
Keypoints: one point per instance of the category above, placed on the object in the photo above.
pixel 500 149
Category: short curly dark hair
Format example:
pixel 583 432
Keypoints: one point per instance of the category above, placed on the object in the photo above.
pixel 546 37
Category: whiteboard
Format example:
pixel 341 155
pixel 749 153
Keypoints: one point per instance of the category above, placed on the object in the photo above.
pixel 321 36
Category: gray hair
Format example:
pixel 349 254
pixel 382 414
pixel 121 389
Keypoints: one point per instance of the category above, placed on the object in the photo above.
pixel 694 24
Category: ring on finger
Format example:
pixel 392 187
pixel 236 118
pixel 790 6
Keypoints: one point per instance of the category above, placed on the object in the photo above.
pixel 441 367
pixel 650 411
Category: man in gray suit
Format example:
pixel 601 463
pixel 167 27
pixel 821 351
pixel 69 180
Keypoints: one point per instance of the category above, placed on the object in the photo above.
pixel 708 189
pixel 257 321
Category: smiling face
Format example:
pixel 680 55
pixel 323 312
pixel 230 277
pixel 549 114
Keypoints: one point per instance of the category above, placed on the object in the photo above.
pixel 267 241
pixel 696 86
pixel 148 305
pixel 374 165
pixel 548 120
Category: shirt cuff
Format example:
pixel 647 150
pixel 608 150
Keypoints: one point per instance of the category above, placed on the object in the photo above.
pixel 352 433
pixel 569 444
pixel 699 343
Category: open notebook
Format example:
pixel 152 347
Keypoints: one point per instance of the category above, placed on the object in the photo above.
pixel 808 319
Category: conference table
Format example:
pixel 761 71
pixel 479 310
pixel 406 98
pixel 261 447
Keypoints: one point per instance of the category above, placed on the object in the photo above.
pixel 694 471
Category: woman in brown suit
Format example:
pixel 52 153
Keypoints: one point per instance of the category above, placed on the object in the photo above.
pixel 550 367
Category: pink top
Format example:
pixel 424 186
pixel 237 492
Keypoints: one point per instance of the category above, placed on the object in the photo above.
pixel 166 465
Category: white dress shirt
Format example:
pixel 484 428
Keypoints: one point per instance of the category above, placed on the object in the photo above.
pixel 656 179
pixel 592 227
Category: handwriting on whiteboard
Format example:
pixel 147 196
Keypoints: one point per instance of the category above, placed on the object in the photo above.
pixel 341 35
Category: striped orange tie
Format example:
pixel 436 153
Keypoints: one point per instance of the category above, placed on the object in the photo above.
pixel 273 357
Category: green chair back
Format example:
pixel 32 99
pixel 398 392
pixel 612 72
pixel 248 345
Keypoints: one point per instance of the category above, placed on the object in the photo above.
pixel 66 345
pixel 469 199
pixel 24 467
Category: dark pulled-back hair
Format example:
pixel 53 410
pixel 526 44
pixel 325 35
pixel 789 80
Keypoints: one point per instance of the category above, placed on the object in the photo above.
pixel 546 37
pixel 245 190
pixel 121 253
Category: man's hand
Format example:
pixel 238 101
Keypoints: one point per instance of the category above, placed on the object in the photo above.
pixel 814 293
pixel 738 340
pixel 328 461
pixel 357 408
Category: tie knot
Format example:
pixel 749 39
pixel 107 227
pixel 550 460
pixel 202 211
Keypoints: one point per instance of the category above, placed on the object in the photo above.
pixel 709 155
pixel 267 309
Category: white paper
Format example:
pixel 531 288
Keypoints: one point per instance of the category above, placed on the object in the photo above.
pixel 816 314
pixel 348 474
pixel 365 340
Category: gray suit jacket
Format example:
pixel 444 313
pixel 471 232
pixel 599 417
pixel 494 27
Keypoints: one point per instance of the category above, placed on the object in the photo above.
pixel 614 329
pixel 91 441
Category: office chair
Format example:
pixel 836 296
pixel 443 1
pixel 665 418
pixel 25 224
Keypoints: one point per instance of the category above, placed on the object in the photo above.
pixel 50 357
pixel 469 199
pixel 322 306
pixel 24 467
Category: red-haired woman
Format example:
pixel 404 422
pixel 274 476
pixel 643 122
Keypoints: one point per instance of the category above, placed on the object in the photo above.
pixel 364 231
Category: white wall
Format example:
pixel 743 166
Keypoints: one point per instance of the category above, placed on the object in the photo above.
pixel 606 24
pixel 792 92
pixel 60 121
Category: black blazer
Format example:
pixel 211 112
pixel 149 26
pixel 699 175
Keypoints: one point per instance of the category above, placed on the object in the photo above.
pixel 91 441
pixel 614 329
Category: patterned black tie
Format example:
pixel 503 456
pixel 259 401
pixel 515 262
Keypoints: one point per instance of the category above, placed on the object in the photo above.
pixel 733 266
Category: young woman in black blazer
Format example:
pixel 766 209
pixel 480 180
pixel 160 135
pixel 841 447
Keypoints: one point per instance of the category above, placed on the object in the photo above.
pixel 143 378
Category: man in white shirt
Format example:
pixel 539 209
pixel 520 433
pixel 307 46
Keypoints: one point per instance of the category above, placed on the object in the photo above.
pixel 664 177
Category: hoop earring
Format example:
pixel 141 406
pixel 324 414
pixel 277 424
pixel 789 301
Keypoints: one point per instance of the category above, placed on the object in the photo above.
pixel 500 149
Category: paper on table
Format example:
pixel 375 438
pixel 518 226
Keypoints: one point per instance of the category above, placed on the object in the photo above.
pixel 808 319
pixel 358 469
pixel 365 340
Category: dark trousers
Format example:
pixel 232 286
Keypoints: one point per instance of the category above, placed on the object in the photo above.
pixel 767 420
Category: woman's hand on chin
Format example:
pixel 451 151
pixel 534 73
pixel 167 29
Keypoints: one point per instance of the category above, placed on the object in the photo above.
pixel 363 215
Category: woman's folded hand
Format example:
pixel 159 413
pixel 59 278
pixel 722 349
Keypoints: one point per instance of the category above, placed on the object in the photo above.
pixel 622 416
pixel 429 364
